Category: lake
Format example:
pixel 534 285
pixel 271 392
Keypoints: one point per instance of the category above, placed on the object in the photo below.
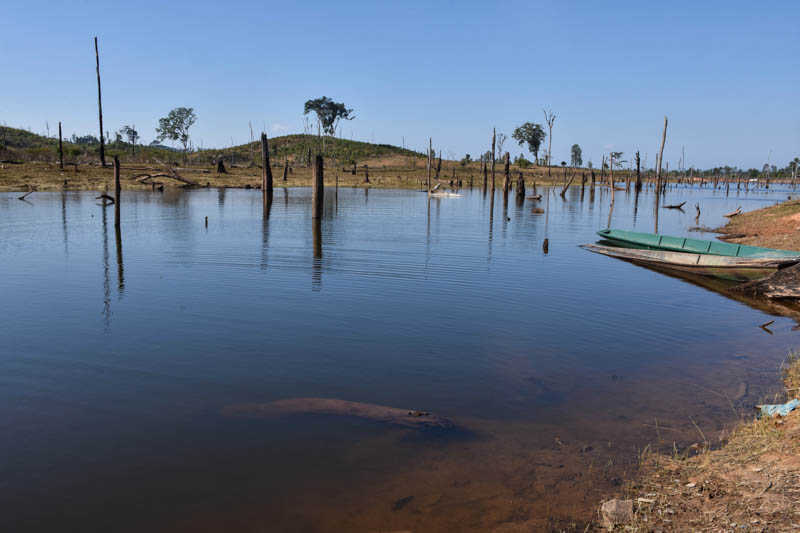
pixel 127 357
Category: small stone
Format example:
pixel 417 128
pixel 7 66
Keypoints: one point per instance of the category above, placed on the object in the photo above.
pixel 691 485
pixel 616 512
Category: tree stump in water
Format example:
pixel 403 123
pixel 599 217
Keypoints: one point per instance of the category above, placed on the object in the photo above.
pixel 784 283
pixel 520 186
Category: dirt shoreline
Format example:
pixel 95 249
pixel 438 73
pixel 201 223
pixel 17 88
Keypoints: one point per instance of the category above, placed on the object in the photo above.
pixel 41 176
pixel 749 480
pixel 776 226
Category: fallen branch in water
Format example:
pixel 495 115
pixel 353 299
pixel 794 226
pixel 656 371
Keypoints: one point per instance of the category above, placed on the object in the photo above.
pixel 733 213
pixel 332 406
pixel 783 284
pixel 30 190
pixel 675 206
pixel 110 199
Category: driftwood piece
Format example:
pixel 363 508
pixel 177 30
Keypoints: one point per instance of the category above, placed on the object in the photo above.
pixel 409 418
pixel 675 206
pixel 142 178
pixel 566 187
pixel 703 229
pixel 783 284
pixel 733 213
pixel 30 190
pixel 106 197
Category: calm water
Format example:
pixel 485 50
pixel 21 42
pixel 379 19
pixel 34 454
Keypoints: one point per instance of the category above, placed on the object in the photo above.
pixel 123 356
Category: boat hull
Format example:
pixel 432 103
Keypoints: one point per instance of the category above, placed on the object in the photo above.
pixel 655 241
pixel 723 267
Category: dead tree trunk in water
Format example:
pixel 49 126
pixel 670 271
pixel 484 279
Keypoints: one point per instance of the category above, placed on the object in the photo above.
pixel 285 168
pixel 221 166
pixel 430 162
pixel 520 186
pixel 439 165
pixel 266 169
pixel 99 105
pixel 485 175
pixel 117 189
pixel 506 173
pixel 660 157
pixel 60 149
pixel 494 139
pixel 318 189
pixel 366 173
pixel 603 171
pixel 638 174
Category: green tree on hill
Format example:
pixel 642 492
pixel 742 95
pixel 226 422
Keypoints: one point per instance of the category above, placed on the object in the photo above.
pixel 531 134
pixel 175 126
pixel 132 135
pixel 329 113
pixel 576 157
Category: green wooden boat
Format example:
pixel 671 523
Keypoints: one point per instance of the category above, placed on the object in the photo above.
pixel 717 266
pixel 655 241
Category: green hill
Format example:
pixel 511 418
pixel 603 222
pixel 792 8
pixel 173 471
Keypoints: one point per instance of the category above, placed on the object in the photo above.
pixel 21 144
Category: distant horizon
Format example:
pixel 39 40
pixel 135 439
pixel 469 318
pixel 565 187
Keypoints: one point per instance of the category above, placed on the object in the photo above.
pixel 722 72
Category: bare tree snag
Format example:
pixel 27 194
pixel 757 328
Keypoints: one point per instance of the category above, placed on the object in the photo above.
pixel 99 105
pixel 317 188
pixel 520 186
pixel 221 166
pixel 117 189
pixel 506 173
pixel 266 168
pixel 285 168
pixel 660 157
pixel 430 162
pixel 494 141
pixel 638 173
pixel 550 118
pixel 60 149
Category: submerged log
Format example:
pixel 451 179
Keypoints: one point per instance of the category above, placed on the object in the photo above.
pixel 409 418
pixel 783 284
pixel 733 213
pixel 675 206
pixel 106 198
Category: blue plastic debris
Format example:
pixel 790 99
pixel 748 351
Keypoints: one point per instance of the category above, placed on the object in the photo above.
pixel 781 409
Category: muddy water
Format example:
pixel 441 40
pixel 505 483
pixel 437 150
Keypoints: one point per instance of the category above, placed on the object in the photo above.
pixel 123 356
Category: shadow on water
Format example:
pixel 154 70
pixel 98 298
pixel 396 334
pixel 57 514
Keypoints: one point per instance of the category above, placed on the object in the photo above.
pixel 722 287
pixel 120 265
pixel 316 265
pixel 106 274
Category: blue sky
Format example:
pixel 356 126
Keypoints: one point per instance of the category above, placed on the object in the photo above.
pixel 726 73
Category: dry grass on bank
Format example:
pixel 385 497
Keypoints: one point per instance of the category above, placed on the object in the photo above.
pixel 386 172
pixel 776 226
pixel 751 483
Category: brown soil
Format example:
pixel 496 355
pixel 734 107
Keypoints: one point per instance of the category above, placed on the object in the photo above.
pixel 776 226
pixel 390 172
pixel 749 483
